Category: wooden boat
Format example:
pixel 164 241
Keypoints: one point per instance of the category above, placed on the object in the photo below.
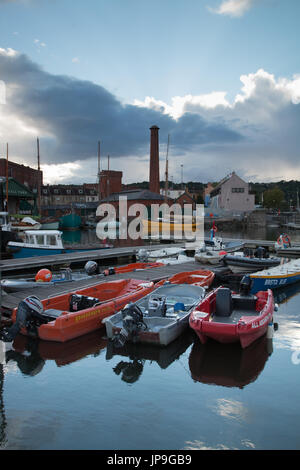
pixel 43 243
pixel 278 276
pixel 241 263
pixel 74 314
pixel 202 278
pixel 228 317
pixel 158 318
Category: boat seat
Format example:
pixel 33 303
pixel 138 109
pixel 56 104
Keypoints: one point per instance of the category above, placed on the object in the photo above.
pixel 52 313
pixel 223 302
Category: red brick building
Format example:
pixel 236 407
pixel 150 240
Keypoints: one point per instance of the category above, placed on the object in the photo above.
pixel 21 173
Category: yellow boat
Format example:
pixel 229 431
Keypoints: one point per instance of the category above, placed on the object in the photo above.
pixel 164 226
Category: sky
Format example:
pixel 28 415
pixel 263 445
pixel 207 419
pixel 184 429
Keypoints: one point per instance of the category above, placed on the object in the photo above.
pixel 220 77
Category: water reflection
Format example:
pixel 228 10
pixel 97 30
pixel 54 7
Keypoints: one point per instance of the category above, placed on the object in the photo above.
pixel 30 355
pixel 229 365
pixel 138 354
pixel 2 409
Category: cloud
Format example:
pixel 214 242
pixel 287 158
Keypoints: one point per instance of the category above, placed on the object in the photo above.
pixel 75 60
pixel 71 115
pixel 234 8
pixel 256 134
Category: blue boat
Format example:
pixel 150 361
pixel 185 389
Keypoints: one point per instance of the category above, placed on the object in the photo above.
pixel 43 243
pixel 278 276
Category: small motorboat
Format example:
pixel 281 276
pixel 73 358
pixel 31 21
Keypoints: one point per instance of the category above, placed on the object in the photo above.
pixel 43 243
pixel 159 318
pixel 278 276
pixel 68 316
pixel 178 259
pixel 210 256
pixel 245 264
pixel 229 317
pixel 153 255
pixel 202 278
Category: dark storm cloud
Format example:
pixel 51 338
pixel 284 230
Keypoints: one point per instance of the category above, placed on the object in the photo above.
pixel 77 113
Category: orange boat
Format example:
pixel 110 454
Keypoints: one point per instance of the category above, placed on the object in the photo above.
pixel 202 278
pixel 131 267
pixel 77 313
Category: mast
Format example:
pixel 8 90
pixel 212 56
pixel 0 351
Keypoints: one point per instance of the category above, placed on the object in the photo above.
pixel 99 187
pixel 167 171
pixel 6 208
pixel 39 178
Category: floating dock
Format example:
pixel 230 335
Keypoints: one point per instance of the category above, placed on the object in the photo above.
pixel 11 301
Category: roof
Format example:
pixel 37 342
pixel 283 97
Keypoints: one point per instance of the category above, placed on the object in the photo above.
pixel 138 194
pixel 15 189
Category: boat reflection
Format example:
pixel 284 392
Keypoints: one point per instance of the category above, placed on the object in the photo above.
pixel 138 354
pixel 31 355
pixel 283 294
pixel 229 365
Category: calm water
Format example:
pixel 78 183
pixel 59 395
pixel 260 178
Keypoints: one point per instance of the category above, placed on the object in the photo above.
pixel 85 395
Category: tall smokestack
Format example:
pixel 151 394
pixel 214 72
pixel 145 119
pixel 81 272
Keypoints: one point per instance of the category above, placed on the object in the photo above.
pixel 154 161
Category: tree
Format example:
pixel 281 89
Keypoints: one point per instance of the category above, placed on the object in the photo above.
pixel 273 198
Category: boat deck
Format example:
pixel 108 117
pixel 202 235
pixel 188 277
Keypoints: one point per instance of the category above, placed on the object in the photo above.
pixel 234 317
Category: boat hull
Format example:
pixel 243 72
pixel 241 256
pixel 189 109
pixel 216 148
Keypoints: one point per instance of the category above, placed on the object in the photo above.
pixel 245 331
pixel 239 264
pixel 112 296
pixel 273 282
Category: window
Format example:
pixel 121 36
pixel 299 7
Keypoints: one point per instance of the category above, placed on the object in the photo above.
pixel 51 240
pixel 40 239
pixel 238 190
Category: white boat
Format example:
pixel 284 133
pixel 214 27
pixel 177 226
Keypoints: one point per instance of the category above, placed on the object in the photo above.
pixel 27 223
pixel 209 257
pixel 158 318
pixel 153 255
pixel 179 259
pixel 43 243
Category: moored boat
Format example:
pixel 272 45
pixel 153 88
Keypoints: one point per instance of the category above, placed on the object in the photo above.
pixel 203 278
pixel 278 276
pixel 68 316
pixel 229 317
pixel 239 263
pixel 158 318
pixel 42 243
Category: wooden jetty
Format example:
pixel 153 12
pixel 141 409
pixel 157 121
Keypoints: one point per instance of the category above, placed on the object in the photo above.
pixel 17 264
pixel 10 301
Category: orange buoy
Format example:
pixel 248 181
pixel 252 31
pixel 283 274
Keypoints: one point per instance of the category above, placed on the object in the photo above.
pixel 43 275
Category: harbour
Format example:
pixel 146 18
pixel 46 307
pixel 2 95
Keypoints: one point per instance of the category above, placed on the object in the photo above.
pixel 149 230
pixel 220 384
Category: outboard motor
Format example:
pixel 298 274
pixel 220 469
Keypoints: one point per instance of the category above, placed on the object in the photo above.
pixel 260 252
pixel 132 323
pixel 143 255
pixel 91 268
pixel 245 285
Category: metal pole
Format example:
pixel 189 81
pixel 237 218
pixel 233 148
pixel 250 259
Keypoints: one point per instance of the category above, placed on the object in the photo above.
pixel 39 179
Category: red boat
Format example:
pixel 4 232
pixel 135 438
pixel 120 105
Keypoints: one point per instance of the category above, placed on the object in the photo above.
pixel 202 278
pixel 131 268
pixel 228 317
pixel 68 316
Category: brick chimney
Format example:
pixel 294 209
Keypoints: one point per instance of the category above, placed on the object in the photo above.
pixel 154 161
